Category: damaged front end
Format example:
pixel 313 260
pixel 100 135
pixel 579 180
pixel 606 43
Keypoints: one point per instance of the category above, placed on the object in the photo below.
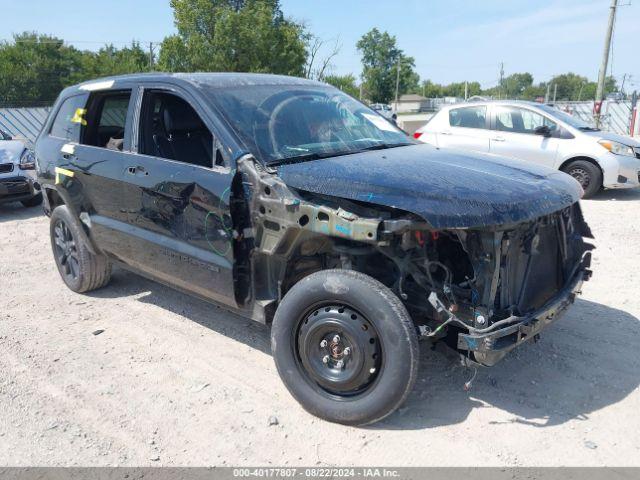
pixel 481 290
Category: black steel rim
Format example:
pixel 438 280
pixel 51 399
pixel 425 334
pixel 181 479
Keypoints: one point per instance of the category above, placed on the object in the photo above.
pixel 338 350
pixel 66 251
pixel 582 176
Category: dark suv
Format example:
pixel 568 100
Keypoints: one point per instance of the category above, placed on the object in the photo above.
pixel 291 203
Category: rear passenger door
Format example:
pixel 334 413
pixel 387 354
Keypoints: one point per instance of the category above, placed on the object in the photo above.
pixel 178 187
pixel 98 161
pixel 467 129
pixel 90 134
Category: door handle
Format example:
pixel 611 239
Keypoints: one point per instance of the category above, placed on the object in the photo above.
pixel 136 170
pixel 68 156
pixel 445 133
pixel 498 139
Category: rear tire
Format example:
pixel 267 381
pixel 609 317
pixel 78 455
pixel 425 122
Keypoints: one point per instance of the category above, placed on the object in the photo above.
pixel 80 270
pixel 323 315
pixel 587 174
pixel 33 202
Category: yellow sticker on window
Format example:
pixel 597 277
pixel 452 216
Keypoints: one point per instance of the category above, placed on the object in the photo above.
pixel 62 171
pixel 78 117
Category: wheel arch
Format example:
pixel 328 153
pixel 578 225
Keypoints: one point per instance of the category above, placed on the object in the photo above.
pixel 581 157
pixel 81 227
pixel 53 199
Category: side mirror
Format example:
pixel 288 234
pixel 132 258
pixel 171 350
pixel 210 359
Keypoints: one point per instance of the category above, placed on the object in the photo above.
pixel 543 130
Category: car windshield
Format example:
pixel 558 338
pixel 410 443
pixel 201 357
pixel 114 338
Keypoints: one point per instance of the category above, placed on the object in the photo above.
pixel 571 120
pixel 284 123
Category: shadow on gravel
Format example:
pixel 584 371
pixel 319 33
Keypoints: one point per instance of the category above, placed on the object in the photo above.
pixel 586 361
pixel 124 283
pixel 15 211
pixel 616 195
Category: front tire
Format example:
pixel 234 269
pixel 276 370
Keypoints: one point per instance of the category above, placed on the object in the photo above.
pixel 587 174
pixel 80 270
pixel 345 347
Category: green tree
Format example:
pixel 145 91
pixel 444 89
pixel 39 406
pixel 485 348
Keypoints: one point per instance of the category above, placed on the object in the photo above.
pixel 380 58
pixel 34 68
pixel 516 84
pixel 346 83
pixel 112 61
pixel 429 89
pixel 568 86
pixel 234 35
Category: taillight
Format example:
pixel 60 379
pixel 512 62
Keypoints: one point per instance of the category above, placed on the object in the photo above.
pixel 417 135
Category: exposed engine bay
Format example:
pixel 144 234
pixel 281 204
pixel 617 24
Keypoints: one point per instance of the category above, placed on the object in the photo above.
pixel 459 285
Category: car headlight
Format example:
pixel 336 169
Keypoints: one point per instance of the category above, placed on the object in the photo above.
pixel 27 160
pixel 618 148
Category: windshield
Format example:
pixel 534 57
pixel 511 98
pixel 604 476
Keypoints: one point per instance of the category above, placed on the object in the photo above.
pixel 280 123
pixel 571 120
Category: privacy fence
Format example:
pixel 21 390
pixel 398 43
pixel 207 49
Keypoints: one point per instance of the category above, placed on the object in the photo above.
pixel 616 117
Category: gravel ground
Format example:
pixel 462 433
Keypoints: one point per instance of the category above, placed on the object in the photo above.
pixel 175 381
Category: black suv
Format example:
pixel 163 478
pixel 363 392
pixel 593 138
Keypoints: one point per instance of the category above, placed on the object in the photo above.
pixel 291 203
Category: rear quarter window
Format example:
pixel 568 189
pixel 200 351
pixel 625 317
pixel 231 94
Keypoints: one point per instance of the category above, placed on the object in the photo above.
pixel 69 119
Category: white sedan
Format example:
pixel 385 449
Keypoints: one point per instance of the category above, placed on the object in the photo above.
pixel 541 134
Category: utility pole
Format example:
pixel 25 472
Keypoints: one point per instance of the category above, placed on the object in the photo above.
pixel 397 83
pixel 580 92
pixel 501 79
pixel 546 97
pixel 602 74
pixel 150 56
pixel 466 90
pixel 360 91
pixel 555 92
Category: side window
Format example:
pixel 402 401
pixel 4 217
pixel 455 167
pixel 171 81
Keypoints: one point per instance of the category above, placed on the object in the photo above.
pixel 504 119
pixel 468 117
pixel 520 120
pixel 69 119
pixel 106 120
pixel 532 120
pixel 170 128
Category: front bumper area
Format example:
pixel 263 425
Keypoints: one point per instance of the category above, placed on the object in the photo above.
pixel 627 175
pixel 488 348
pixel 17 188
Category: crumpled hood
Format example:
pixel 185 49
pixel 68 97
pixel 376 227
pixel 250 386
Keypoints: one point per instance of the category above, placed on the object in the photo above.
pixel 447 188
pixel 10 151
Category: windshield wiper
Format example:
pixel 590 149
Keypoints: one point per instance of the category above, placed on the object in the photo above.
pixel 305 157
pixel 383 146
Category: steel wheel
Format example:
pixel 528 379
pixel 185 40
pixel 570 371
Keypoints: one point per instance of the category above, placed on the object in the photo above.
pixel 338 350
pixel 582 176
pixel 66 251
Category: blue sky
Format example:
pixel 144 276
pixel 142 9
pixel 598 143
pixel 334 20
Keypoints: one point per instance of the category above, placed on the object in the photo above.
pixel 452 40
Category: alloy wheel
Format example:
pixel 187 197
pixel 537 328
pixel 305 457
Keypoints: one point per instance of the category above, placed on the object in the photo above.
pixel 66 251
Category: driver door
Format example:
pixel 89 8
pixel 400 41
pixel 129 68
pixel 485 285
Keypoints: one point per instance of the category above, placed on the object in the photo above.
pixel 178 188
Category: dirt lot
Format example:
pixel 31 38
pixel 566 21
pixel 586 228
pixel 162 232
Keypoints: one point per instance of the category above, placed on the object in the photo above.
pixel 176 381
